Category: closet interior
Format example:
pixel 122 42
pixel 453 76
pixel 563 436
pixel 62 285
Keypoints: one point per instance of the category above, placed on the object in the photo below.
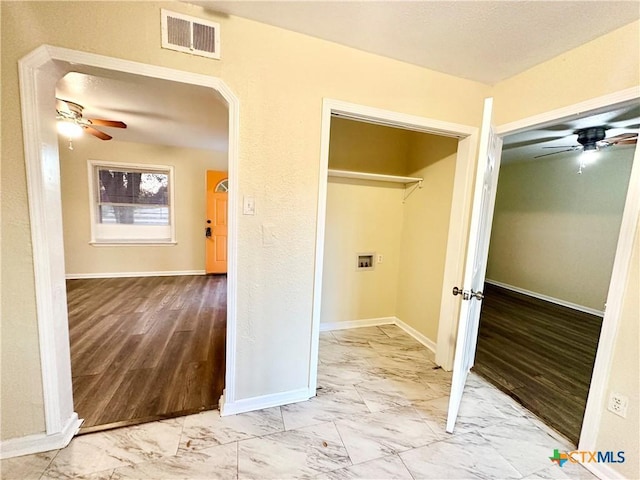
pixel 389 196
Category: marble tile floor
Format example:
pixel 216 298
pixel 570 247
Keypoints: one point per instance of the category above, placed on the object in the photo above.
pixel 379 414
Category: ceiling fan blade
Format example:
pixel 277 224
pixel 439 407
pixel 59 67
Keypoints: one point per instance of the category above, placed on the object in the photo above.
pixel 555 153
pixel 572 147
pixel 629 141
pixel 526 143
pixel 97 133
pixel 629 113
pixel 62 106
pixel 107 123
pixel 621 138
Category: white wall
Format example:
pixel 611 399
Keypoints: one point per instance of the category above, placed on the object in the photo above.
pixel 190 166
pixel 555 232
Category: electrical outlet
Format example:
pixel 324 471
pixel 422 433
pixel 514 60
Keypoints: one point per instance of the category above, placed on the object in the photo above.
pixel 380 258
pixel 618 404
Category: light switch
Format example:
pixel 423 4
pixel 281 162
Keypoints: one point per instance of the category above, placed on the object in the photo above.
pixel 248 206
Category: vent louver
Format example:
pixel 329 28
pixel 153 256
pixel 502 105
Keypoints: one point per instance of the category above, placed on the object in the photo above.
pixel 190 35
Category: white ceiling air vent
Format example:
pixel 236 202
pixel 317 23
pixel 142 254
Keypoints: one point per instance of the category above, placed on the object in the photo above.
pixel 190 35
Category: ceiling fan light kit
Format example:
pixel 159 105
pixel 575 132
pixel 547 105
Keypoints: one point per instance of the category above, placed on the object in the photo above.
pixel 72 124
pixel 592 140
pixel 69 129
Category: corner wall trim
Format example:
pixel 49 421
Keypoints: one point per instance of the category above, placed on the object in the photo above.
pixel 176 273
pixel 367 322
pixel 546 298
pixel 265 401
pixel 40 442
pixel 374 322
pixel 423 339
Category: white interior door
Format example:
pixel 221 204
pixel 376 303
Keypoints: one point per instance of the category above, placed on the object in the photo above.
pixel 476 261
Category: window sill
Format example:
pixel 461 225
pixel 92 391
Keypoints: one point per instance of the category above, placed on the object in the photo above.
pixel 135 243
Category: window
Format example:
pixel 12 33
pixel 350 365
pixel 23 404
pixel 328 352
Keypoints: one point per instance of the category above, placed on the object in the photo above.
pixel 131 203
pixel 222 186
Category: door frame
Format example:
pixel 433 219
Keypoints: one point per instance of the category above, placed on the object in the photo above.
pixel 465 162
pixel 39 71
pixel 611 320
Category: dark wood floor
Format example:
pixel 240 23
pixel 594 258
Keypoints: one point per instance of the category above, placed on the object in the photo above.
pixel 146 348
pixel 539 353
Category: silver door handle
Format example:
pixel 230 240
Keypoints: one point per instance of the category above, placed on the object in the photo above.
pixel 478 295
pixel 459 291
pixel 467 295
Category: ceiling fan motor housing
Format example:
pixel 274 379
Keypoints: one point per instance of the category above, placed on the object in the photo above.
pixel 588 137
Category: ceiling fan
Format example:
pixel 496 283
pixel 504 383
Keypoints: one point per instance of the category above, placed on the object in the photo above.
pixel 72 123
pixel 594 139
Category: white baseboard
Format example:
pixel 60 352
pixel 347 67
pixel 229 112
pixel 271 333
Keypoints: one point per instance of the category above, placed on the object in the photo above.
pixel 603 471
pixel 374 322
pixel 424 340
pixel 367 322
pixel 176 273
pixel 41 442
pixel 546 298
pixel 265 401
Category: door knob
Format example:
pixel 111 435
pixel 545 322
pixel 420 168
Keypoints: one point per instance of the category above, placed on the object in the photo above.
pixel 207 232
pixel 459 291
pixel 466 295
pixel 478 295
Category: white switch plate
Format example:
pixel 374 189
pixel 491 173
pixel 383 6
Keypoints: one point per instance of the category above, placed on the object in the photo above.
pixel 248 206
pixel 380 258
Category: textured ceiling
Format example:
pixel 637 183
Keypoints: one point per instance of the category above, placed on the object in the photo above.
pixel 155 111
pixel 486 41
pixel 481 40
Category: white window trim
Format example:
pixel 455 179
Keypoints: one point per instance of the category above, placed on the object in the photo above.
pixel 92 164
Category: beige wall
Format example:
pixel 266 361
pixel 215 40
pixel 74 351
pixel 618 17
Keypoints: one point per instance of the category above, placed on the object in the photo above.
pixel 555 232
pixel 425 232
pixel 618 433
pixel 361 217
pixel 364 147
pixel 190 166
pixel 280 78
pixel 575 76
pixel 370 216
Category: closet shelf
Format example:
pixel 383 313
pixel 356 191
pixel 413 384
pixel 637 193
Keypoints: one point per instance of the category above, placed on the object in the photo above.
pixel 374 176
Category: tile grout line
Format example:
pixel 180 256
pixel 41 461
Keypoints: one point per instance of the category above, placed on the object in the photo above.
pixel 335 425
pixel 51 461
pixel 405 465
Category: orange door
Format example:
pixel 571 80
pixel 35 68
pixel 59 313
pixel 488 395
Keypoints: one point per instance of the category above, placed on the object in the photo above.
pixel 216 222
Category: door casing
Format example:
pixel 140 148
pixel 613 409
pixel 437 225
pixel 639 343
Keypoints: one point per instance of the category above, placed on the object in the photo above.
pixel 604 354
pixel 465 159
pixel 38 72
